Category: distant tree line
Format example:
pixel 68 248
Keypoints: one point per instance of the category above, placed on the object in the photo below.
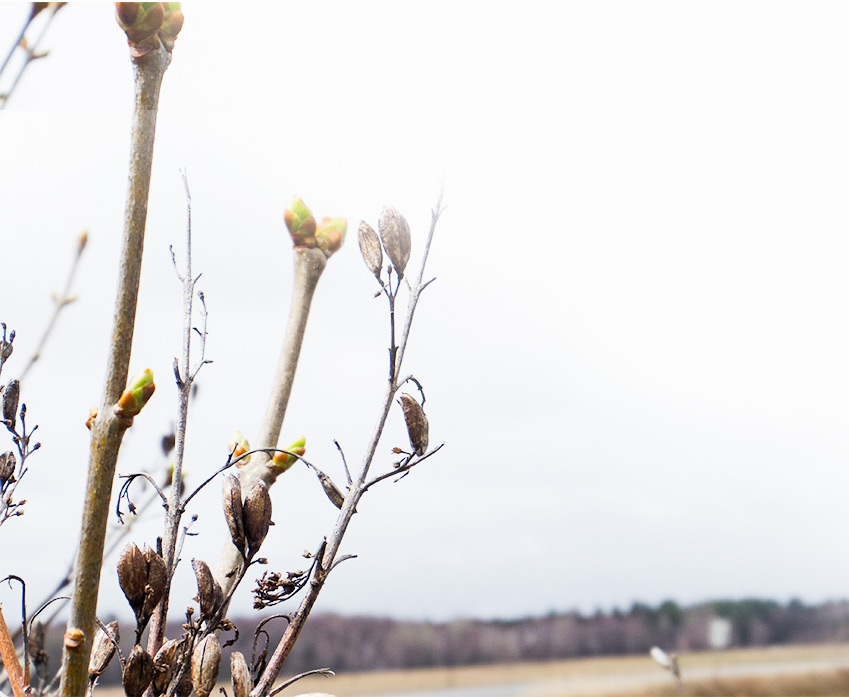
pixel 354 643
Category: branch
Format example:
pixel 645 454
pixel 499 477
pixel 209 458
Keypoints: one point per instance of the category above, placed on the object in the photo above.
pixel 107 429
pixel 325 563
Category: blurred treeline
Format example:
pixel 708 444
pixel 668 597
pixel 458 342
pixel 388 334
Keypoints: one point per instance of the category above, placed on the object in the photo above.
pixel 351 643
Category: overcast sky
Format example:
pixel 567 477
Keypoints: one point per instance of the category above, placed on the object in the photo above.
pixel 636 350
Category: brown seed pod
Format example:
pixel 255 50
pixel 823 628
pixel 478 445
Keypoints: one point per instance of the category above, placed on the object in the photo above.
pixel 336 497
pixel 417 426
pixel 370 249
pixel 157 578
pixel 206 660
pixel 103 649
pixel 209 592
pixel 164 664
pixel 233 511
pixel 11 395
pixel 395 234
pixel 7 466
pixel 132 576
pixel 138 672
pixel 257 516
pixel 240 675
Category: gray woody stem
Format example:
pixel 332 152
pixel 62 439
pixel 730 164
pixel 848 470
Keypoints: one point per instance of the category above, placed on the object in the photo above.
pixel 309 265
pixel 107 432
pixel 358 487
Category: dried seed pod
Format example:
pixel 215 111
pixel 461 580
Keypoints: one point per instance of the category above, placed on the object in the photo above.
pixel 240 675
pixel 37 654
pixel 11 395
pixel 7 466
pixel 132 576
pixel 209 592
pixel 233 511
pixel 103 649
pixel 257 515
pixel 370 248
pixel 206 660
pixel 142 576
pixel 395 234
pixel 164 663
pixel 138 672
pixel 336 497
pixel 157 578
pixel 185 687
pixel 417 427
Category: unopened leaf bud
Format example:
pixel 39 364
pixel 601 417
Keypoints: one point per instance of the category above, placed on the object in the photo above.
pixel 209 592
pixel 283 461
pixel 103 649
pixel 206 661
pixel 332 491
pixel 233 511
pixel 395 234
pixel 239 445
pixel 82 240
pixel 240 675
pixel 73 638
pixel 301 223
pixel 11 395
pixel 257 515
pixel 370 249
pixel 417 426
pixel 171 24
pixel 137 394
pixel 138 672
pixel 164 662
pixel 7 466
pixel 330 235
pixel 141 22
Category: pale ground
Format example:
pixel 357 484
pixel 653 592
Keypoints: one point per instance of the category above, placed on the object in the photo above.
pixel 570 678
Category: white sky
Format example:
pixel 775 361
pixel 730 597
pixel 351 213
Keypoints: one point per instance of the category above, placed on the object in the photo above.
pixel 636 350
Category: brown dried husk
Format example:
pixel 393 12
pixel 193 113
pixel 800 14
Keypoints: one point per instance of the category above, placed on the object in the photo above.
pixel 395 235
pixel 370 248
pixel 257 515
pixel 138 672
pixel 417 426
pixel 206 661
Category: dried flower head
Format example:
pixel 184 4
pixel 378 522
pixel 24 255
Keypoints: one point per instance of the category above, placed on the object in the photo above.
pixel 142 576
pixel 417 426
pixel 395 234
pixel 206 661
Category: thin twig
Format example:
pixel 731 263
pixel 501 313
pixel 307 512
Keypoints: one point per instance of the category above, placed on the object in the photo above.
pixel 59 304
pixel 326 672
pixel 31 52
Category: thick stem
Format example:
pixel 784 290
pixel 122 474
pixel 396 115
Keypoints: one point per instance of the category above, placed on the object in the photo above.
pixel 309 265
pixel 107 432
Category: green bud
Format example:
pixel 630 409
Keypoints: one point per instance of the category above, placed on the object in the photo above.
pixel 141 22
pixel 137 394
pixel 171 24
pixel 331 234
pixel 301 223
pixel 283 461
